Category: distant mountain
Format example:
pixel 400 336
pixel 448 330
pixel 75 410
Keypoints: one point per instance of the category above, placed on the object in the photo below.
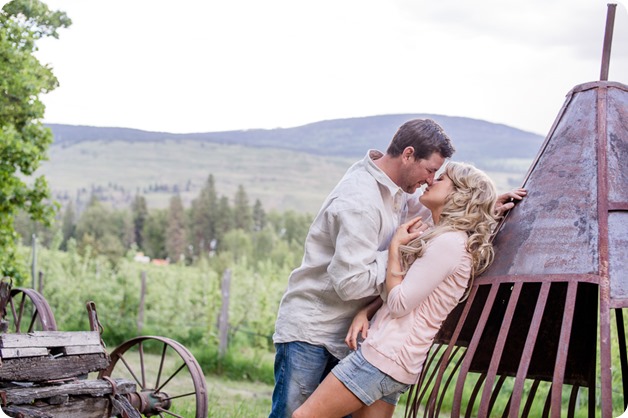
pixel 339 137
pixel 293 168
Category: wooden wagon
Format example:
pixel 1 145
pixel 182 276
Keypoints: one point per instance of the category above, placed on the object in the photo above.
pixel 48 373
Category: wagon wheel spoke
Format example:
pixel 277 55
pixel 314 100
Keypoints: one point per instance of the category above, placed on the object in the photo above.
pixel 141 351
pixel 130 370
pixel 183 395
pixel 161 363
pixel 179 384
pixel 168 413
pixel 170 378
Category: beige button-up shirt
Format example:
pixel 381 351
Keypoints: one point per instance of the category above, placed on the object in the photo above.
pixel 344 264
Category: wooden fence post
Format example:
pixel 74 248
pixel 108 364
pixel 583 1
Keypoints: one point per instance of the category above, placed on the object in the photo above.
pixel 34 262
pixel 223 319
pixel 40 284
pixel 140 313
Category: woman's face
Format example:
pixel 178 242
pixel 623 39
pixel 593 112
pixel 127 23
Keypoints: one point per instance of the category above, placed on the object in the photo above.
pixel 435 195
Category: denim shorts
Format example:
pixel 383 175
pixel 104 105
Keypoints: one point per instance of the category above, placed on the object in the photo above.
pixel 366 381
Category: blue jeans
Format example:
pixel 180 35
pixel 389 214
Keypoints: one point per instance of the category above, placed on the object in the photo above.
pixel 299 368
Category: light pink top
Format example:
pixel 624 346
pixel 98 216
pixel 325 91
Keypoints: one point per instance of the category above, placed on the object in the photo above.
pixel 403 329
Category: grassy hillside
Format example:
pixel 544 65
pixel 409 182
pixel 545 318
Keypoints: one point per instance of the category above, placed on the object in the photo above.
pixel 280 179
pixel 285 168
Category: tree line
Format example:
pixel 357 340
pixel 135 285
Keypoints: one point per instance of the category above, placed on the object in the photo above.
pixel 210 225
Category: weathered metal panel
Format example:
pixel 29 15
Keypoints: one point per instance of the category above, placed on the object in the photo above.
pixel 534 313
pixel 618 191
pixel 617 145
pixel 554 229
pixel 618 254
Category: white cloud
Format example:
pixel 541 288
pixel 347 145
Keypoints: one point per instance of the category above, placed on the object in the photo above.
pixel 195 65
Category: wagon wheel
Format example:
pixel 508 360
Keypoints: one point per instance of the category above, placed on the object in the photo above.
pixel 170 380
pixel 27 311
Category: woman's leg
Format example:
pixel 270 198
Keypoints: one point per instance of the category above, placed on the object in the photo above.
pixel 379 409
pixel 331 399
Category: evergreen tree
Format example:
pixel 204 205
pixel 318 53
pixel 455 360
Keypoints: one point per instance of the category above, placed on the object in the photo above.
pixel 203 217
pixel 68 225
pixel 259 216
pixel 175 233
pixel 23 138
pixel 295 227
pixel 154 234
pixel 139 209
pixel 122 225
pixel 242 215
pixel 224 220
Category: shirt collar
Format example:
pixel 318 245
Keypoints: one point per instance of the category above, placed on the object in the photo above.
pixel 381 177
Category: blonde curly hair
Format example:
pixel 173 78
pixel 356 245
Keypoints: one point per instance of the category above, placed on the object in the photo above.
pixel 469 208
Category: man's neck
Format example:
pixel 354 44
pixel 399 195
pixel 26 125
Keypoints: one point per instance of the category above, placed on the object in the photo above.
pixel 390 166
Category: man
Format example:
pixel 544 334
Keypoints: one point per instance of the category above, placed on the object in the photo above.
pixel 344 264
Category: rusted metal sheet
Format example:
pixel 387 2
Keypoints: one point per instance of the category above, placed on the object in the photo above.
pixel 560 210
pixel 618 247
pixel 561 263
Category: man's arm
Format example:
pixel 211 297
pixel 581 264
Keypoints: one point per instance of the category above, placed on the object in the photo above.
pixel 358 267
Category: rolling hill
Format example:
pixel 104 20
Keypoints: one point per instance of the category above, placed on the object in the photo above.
pixel 291 168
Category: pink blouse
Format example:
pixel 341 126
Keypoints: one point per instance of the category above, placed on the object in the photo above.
pixel 403 329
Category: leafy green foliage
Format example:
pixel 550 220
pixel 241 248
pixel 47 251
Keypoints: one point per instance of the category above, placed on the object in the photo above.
pixel 104 231
pixel 23 138
pixel 182 302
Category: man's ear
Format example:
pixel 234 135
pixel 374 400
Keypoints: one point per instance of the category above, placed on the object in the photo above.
pixel 408 154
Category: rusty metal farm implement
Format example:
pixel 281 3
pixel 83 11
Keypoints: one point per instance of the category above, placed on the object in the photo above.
pixel 49 373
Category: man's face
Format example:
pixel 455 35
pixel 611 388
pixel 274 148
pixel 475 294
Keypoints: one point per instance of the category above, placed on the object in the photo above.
pixel 416 173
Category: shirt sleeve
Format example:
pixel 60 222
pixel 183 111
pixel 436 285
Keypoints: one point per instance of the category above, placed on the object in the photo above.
pixel 357 268
pixel 442 256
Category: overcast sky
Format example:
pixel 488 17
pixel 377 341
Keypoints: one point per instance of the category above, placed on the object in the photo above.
pixel 209 65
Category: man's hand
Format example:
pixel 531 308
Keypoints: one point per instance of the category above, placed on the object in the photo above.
pixel 360 325
pixel 507 201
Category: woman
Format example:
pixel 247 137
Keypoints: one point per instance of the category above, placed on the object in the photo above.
pixel 427 276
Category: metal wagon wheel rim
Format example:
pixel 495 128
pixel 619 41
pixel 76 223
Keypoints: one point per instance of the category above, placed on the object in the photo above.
pixel 155 396
pixel 29 311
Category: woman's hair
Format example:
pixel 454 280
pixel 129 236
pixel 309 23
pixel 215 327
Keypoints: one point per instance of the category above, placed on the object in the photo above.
pixel 469 208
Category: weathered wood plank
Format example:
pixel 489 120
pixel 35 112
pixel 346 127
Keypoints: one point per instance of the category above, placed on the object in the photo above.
pixel 95 387
pixel 50 339
pixel 39 369
pixel 24 412
pixel 83 349
pixel 75 408
pixel 6 353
